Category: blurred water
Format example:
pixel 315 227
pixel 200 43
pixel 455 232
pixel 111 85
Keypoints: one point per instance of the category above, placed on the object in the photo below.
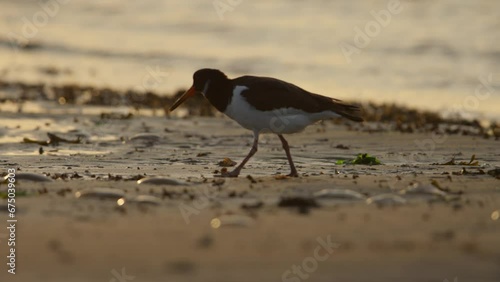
pixel 429 55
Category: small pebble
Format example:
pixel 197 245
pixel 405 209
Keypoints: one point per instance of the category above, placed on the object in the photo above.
pixel 427 189
pixel 338 194
pixel 145 137
pixel 160 181
pixel 27 176
pixel 386 200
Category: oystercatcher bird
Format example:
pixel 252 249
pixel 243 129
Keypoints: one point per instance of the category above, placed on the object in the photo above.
pixel 265 105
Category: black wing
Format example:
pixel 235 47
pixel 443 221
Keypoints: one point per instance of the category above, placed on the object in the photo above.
pixel 267 94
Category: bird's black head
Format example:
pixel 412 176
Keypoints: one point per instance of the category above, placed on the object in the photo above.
pixel 205 80
pixel 213 84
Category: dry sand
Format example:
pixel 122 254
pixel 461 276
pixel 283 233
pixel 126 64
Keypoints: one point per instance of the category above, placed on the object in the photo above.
pixel 247 229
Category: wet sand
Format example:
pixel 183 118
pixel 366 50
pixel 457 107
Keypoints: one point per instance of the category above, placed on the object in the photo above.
pixel 436 221
pixel 109 189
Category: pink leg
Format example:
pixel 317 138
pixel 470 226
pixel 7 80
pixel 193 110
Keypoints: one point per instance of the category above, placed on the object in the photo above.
pixel 252 152
pixel 293 173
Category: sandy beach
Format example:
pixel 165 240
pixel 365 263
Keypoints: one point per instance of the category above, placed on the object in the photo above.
pixel 433 221
pixel 101 182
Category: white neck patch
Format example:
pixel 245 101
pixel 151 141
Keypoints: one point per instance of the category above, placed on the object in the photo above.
pixel 205 88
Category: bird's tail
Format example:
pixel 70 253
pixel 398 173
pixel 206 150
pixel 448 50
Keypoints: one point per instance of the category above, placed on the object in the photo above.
pixel 350 111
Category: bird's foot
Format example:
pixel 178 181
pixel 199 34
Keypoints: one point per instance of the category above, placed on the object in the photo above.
pixel 293 174
pixel 233 173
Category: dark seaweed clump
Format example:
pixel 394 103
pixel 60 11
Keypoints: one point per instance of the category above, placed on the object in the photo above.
pixel 378 117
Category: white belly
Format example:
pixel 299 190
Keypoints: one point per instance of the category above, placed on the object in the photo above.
pixel 280 121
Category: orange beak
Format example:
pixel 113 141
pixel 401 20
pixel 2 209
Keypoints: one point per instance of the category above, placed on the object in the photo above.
pixel 183 98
